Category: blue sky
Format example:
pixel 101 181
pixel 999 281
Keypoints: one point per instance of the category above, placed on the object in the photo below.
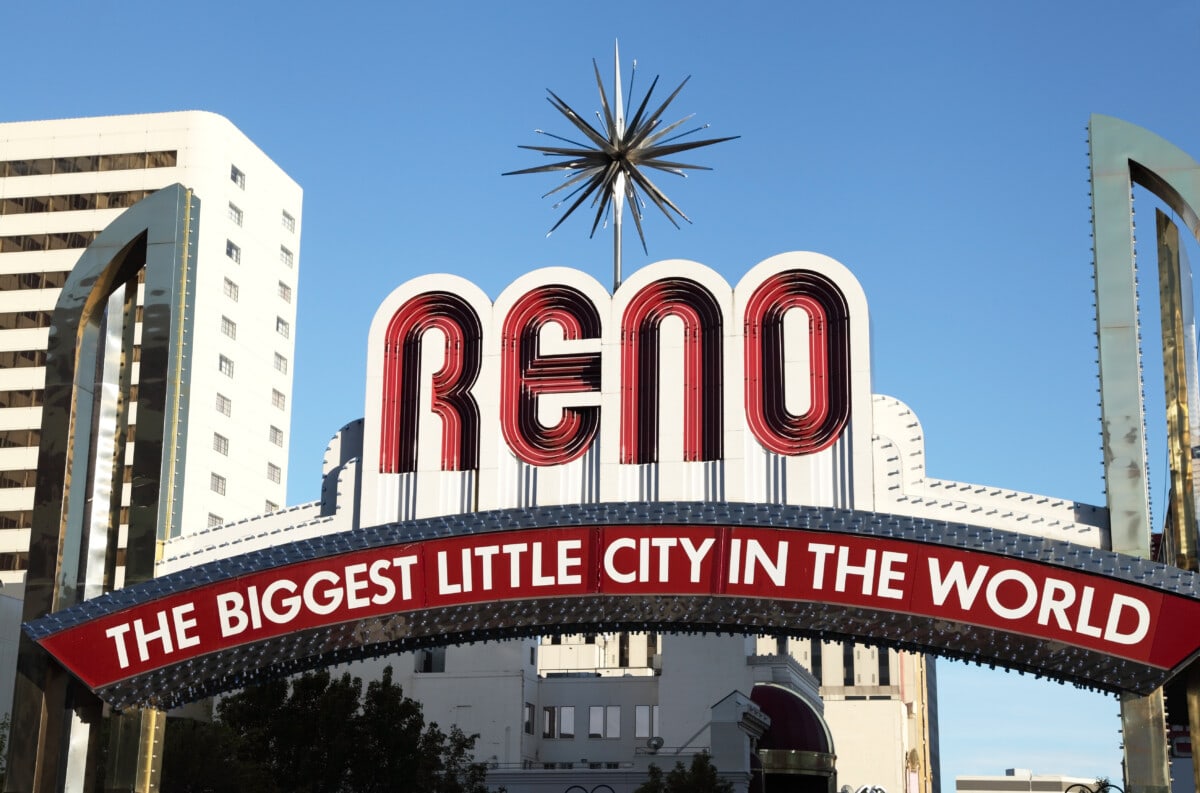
pixel 937 149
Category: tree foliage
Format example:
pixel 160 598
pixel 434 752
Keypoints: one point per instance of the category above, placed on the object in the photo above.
pixel 700 777
pixel 319 734
pixel 5 725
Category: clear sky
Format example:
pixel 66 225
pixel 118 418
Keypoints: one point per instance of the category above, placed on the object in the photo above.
pixel 937 149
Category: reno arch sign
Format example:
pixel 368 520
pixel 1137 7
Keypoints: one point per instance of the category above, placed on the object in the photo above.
pixel 676 387
pixel 682 455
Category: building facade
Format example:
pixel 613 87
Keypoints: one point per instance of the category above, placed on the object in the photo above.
pixel 1023 780
pixel 61 183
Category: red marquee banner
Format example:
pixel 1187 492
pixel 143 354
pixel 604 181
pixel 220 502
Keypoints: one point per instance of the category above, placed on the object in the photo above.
pixel 950 585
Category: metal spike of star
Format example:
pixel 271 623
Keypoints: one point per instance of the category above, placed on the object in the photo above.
pixel 611 167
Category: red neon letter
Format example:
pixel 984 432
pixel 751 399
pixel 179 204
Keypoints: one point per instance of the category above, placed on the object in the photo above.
pixel 451 385
pixel 702 361
pixel 829 363
pixel 526 374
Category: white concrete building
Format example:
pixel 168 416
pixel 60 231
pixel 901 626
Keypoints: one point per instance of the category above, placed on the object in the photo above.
pixel 1023 780
pixel 63 181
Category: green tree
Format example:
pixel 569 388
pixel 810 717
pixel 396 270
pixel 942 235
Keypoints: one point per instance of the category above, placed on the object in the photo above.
pixel 700 777
pixel 318 734
pixel 5 726
pixel 203 757
pixel 654 780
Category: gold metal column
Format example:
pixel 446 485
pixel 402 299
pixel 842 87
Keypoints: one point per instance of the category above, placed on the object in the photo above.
pixel 83 461
pixel 1176 322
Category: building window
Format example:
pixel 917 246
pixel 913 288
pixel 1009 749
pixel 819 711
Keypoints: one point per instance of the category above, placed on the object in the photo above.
pixel 278 399
pixel 233 251
pixel 848 663
pixel 89 163
pixel 231 290
pixel 276 436
pixel 815 661
pixel 216 483
pixel 596 721
pixel 225 365
pixel 273 472
pixel 280 363
pixel 645 721
pixel 229 327
pixel 431 660
pixel 214 520
pixel 220 444
pixel 885 667
pixel 283 327
pixel 566 721
pixel 235 214
pixel 289 222
pixel 549 722
pixel 285 292
pixel 270 507
pixel 641 721
pixel 224 405
pixel 286 256
pixel 528 720
pixel 612 721
pixel 237 177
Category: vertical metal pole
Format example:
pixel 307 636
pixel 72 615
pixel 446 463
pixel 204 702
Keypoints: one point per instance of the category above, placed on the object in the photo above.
pixel 618 188
pixel 617 242
pixel 1143 721
pixel 1176 323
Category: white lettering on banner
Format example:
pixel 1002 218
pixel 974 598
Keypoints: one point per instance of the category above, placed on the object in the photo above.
pixel 1052 598
pixel 653 567
pixel 756 556
pixel 324 592
pixel 1017 596
pixel 171 632
pixel 564 557
pixel 877 579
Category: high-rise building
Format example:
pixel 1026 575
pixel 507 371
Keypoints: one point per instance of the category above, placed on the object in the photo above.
pixel 61 183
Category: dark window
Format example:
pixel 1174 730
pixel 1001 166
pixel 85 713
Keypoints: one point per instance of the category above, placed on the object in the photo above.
pixel 14 561
pixel 29 398
pixel 19 438
pixel 19 320
pixel 885 667
pixel 848 663
pixel 431 660
pixel 20 519
pixel 87 164
pixel 40 242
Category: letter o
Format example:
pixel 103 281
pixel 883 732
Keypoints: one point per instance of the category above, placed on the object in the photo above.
pixel 1026 608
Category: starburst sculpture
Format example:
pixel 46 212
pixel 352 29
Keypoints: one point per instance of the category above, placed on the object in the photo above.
pixel 611 167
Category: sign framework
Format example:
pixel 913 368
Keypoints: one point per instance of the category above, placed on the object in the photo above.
pixel 1074 613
